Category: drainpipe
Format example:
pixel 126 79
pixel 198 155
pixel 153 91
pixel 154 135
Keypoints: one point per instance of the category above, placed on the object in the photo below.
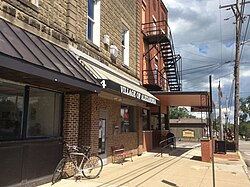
pixel 138 32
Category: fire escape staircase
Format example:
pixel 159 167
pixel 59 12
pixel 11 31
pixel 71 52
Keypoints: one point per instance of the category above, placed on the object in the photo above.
pixel 158 36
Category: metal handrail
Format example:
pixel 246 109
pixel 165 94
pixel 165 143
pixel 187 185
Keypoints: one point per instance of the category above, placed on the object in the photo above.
pixel 150 77
pixel 173 140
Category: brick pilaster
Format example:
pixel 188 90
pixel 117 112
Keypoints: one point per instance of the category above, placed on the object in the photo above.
pixel 71 118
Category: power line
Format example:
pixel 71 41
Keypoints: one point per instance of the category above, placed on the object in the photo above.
pixel 224 75
pixel 204 41
pixel 244 38
pixel 199 60
pixel 200 71
pixel 198 54
pixel 208 72
pixel 200 67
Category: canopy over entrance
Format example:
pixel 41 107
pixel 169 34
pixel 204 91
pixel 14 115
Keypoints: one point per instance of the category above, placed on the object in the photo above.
pixel 199 101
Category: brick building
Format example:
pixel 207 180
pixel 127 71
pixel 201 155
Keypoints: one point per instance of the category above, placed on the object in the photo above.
pixel 160 66
pixel 70 70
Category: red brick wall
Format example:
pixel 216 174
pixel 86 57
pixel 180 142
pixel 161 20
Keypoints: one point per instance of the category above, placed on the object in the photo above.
pixel 157 9
pixel 206 150
pixel 88 130
pixel 90 108
pixel 71 118
pixel 71 124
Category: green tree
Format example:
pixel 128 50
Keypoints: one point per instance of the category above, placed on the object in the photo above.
pixel 244 116
pixel 244 109
pixel 179 112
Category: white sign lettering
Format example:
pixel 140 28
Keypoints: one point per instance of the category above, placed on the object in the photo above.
pixel 137 95
pixel 103 83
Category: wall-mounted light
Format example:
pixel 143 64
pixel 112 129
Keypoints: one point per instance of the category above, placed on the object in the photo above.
pixel 106 39
pixel 113 51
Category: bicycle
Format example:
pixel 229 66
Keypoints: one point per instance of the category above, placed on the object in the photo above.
pixel 90 166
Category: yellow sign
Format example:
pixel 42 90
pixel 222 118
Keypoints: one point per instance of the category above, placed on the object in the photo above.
pixel 188 133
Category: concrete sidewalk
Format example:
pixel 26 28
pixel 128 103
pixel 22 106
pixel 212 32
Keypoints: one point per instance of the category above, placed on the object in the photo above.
pixel 181 167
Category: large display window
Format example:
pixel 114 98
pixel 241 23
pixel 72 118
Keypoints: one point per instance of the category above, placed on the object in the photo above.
pixel 27 112
pixel 127 119
pixel 44 113
pixel 11 111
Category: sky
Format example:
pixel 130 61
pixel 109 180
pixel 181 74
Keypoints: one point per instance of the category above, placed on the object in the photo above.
pixel 204 35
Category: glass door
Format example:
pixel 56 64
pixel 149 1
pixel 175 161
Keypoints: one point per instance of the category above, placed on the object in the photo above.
pixel 102 137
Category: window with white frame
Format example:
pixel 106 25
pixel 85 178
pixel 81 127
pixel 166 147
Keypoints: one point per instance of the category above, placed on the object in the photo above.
pixel 154 25
pixel 34 2
pixel 93 30
pixel 156 70
pixel 125 47
pixel 165 81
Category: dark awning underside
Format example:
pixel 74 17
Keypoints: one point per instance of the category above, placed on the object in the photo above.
pixel 27 58
pixel 197 100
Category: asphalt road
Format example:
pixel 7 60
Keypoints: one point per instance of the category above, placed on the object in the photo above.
pixel 245 151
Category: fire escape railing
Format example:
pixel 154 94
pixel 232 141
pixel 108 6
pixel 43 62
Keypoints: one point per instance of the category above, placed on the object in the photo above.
pixel 154 77
pixel 159 33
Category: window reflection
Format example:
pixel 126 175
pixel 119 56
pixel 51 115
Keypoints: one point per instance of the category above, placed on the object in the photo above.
pixel 41 116
pixel 11 110
pixel 44 113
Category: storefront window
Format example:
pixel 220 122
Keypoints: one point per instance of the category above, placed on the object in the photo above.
pixel 40 117
pixel 127 119
pixel 154 121
pixel 163 121
pixel 11 111
pixel 145 119
pixel 44 114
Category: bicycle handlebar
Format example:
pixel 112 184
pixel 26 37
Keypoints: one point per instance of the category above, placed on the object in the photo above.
pixel 76 148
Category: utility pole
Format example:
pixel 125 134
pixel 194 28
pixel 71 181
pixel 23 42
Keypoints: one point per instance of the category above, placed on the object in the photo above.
pixel 226 114
pixel 220 117
pixel 237 76
pixel 236 8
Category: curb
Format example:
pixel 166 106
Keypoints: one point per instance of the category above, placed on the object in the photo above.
pixel 244 165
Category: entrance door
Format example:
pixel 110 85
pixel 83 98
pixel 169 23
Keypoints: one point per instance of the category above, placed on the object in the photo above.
pixel 102 145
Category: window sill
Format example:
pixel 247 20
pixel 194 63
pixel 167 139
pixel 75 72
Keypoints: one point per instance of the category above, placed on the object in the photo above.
pixel 125 66
pixel 30 5
pixel 91 44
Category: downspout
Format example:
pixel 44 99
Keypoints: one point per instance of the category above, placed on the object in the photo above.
pixel 138 32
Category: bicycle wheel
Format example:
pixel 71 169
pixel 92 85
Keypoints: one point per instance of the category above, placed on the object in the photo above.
pixel 92 167
pixel 58 173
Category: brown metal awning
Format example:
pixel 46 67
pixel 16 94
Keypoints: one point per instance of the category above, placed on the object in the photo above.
pixel 27 58
pixel 198 100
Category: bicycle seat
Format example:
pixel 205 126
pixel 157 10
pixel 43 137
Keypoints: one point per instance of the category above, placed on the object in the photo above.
pixel 85 148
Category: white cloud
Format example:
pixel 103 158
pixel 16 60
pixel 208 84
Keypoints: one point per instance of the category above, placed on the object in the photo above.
pixel 206 43
pixel 245 73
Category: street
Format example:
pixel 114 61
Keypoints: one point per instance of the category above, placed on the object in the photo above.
pixel 245 151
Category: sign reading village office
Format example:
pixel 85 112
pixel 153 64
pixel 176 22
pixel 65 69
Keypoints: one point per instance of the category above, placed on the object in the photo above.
pixel 127 91
pixel 137 95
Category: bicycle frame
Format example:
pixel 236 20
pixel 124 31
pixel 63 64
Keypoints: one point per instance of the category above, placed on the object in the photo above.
pixel 84 156
pixel 78 169
pixel 85 164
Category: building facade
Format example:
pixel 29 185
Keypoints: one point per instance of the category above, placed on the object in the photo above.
pixel 189 129
pixel 70 70
pixel 160 69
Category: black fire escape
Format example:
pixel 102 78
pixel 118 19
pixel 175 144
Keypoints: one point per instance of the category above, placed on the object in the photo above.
pixel 157 35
